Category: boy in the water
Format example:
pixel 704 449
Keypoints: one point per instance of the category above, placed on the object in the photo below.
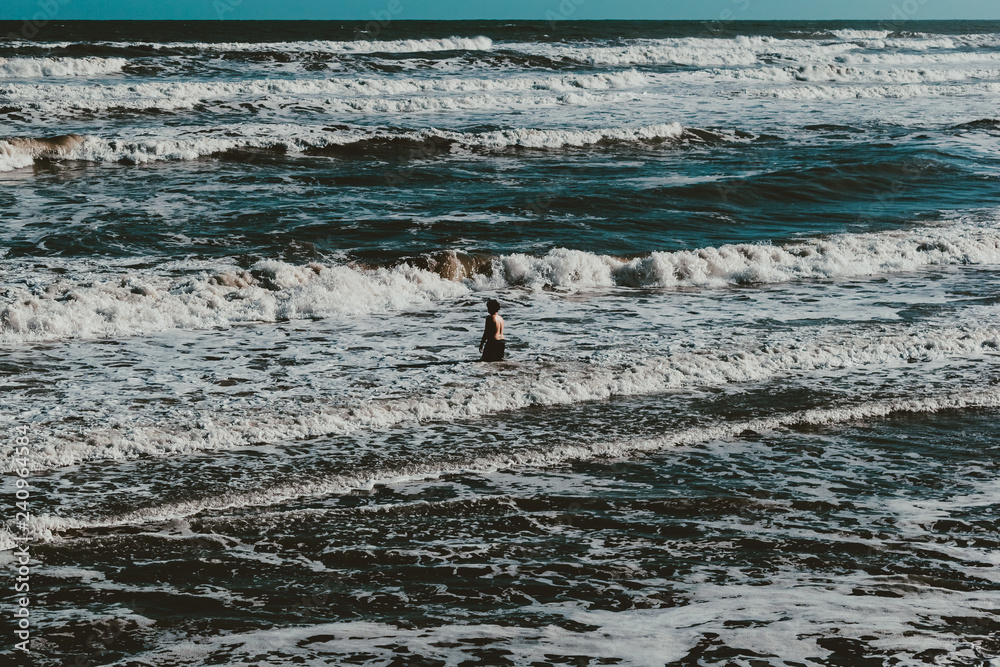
pixel 492 344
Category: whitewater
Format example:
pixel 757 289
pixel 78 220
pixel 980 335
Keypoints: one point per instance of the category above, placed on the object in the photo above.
pixel 749 273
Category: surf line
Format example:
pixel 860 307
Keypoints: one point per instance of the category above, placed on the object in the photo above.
pixel 48 527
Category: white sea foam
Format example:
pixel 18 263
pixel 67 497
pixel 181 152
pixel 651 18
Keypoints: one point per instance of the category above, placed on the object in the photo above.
pixel 987 40
pixel 271 290
pixel 838 256
pixel 357 46
pixel 14 157
pixel 689 56
pixel 748 51
pixel 186 94
pixel 29 68
pixel 782 619
pixel 315 46
pixel 18 152
pixel 818 92
pixel 916 41
pixel 566 382
pixel 115 305
pixel 689 52
pixel 356 105
pixel 847 33
pixel 562 83
pixel 298 138
pixel 918 59
pixel 740 51
pixel 532 138
pixel 61 105
pixel 483 101
pixel 49 526
pixel 850 74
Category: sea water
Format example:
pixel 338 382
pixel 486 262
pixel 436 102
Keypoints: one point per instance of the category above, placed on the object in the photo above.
pixel 750 275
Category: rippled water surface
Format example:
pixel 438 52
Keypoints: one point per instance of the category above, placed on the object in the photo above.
pixel 750 279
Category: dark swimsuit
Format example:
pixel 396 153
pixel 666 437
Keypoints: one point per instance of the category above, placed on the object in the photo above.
pixel 494 349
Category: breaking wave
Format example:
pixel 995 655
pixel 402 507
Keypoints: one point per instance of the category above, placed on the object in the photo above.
pixel 703 51
pixel 308 46
pixel 860 34
pixel 17 152
pixel 852 74
pixel 817 92
pixel 272 290
pixel 361 94
pixel 29 68
pixel 840 256
pixel 48 526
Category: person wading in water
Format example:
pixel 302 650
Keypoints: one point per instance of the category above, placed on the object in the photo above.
pixel 492 344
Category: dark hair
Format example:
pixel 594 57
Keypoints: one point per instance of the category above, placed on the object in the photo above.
pixel 492 306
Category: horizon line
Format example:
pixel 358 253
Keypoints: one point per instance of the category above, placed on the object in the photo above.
pixel 533 20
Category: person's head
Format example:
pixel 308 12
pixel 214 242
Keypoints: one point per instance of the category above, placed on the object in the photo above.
pixel 492 306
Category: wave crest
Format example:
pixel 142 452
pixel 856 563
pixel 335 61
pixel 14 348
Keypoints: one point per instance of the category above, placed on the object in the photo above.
pixel 272 290
pixel 30 68
pixel 841 256
pixel 16 153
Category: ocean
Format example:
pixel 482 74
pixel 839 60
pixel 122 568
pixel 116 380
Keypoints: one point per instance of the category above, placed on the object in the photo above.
pixel 750 273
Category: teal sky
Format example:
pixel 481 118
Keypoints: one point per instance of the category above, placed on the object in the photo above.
pixel 502 9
